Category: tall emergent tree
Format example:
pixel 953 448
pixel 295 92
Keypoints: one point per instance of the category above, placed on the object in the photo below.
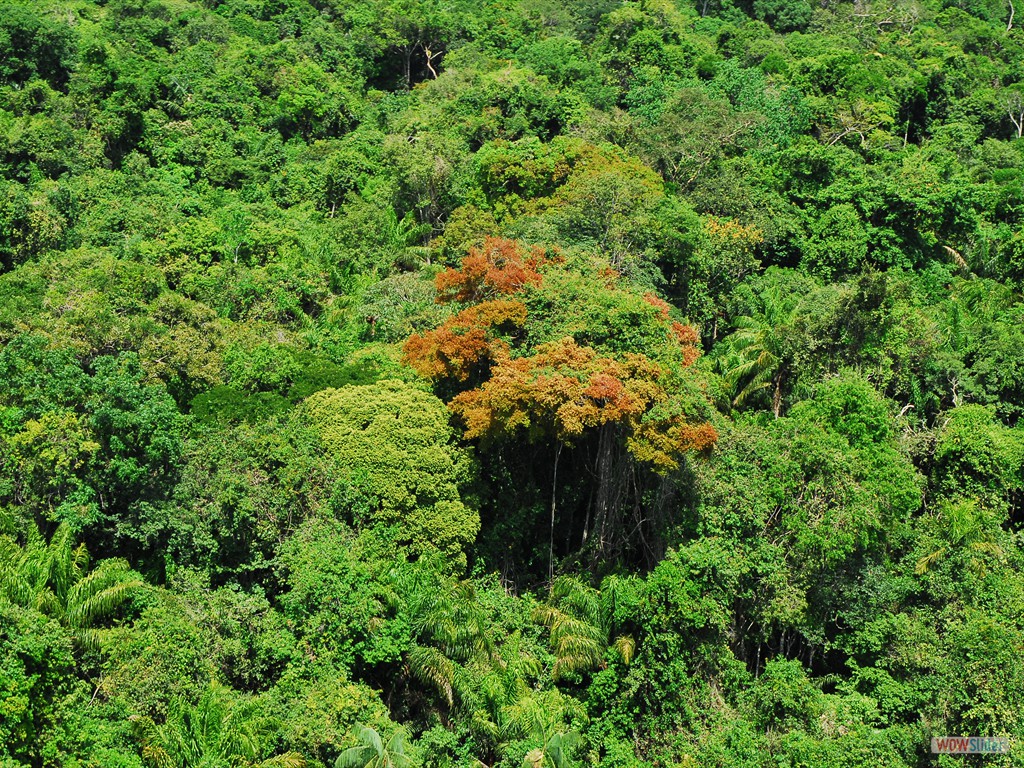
pixel 547 349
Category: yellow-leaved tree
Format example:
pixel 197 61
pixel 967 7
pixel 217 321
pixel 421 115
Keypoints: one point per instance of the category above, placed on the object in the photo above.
pixel 396 450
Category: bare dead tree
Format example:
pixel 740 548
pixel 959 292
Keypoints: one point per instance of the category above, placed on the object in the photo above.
pixel 1013 100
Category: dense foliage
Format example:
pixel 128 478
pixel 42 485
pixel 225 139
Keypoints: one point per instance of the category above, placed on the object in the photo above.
pixel 512 383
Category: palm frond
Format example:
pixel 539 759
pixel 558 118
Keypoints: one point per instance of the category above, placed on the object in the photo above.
pixel 157 757
pixel 91 639
pixel 355 757
pixel 99 595
pixel 285 760
pixel 432 668
pixel 625 646
pixel 395 751
pixel 925 563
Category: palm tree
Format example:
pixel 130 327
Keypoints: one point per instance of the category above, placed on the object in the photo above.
pixel 218 731
pixel 405 240
pixel 373 752
pixel 450 632
pixel 541 716
pixel 580 620
pixel 54 579
pixel 760 351
pixel 966 528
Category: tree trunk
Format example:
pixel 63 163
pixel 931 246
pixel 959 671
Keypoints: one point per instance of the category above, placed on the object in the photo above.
pixel 407 52
pixel 777 394
pixel 554 492
pixel 430 60
pixel 604 471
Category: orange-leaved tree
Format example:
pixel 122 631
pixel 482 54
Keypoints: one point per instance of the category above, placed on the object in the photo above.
pixel 490 320
pixel 547 349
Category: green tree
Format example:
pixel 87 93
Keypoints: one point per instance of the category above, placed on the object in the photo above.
pixel 977 457
pixel 37 674
pixel 393 444
pixel 783 698
pixel 96 446
pixel 784 15
pixel 451 645
pixel 32 45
